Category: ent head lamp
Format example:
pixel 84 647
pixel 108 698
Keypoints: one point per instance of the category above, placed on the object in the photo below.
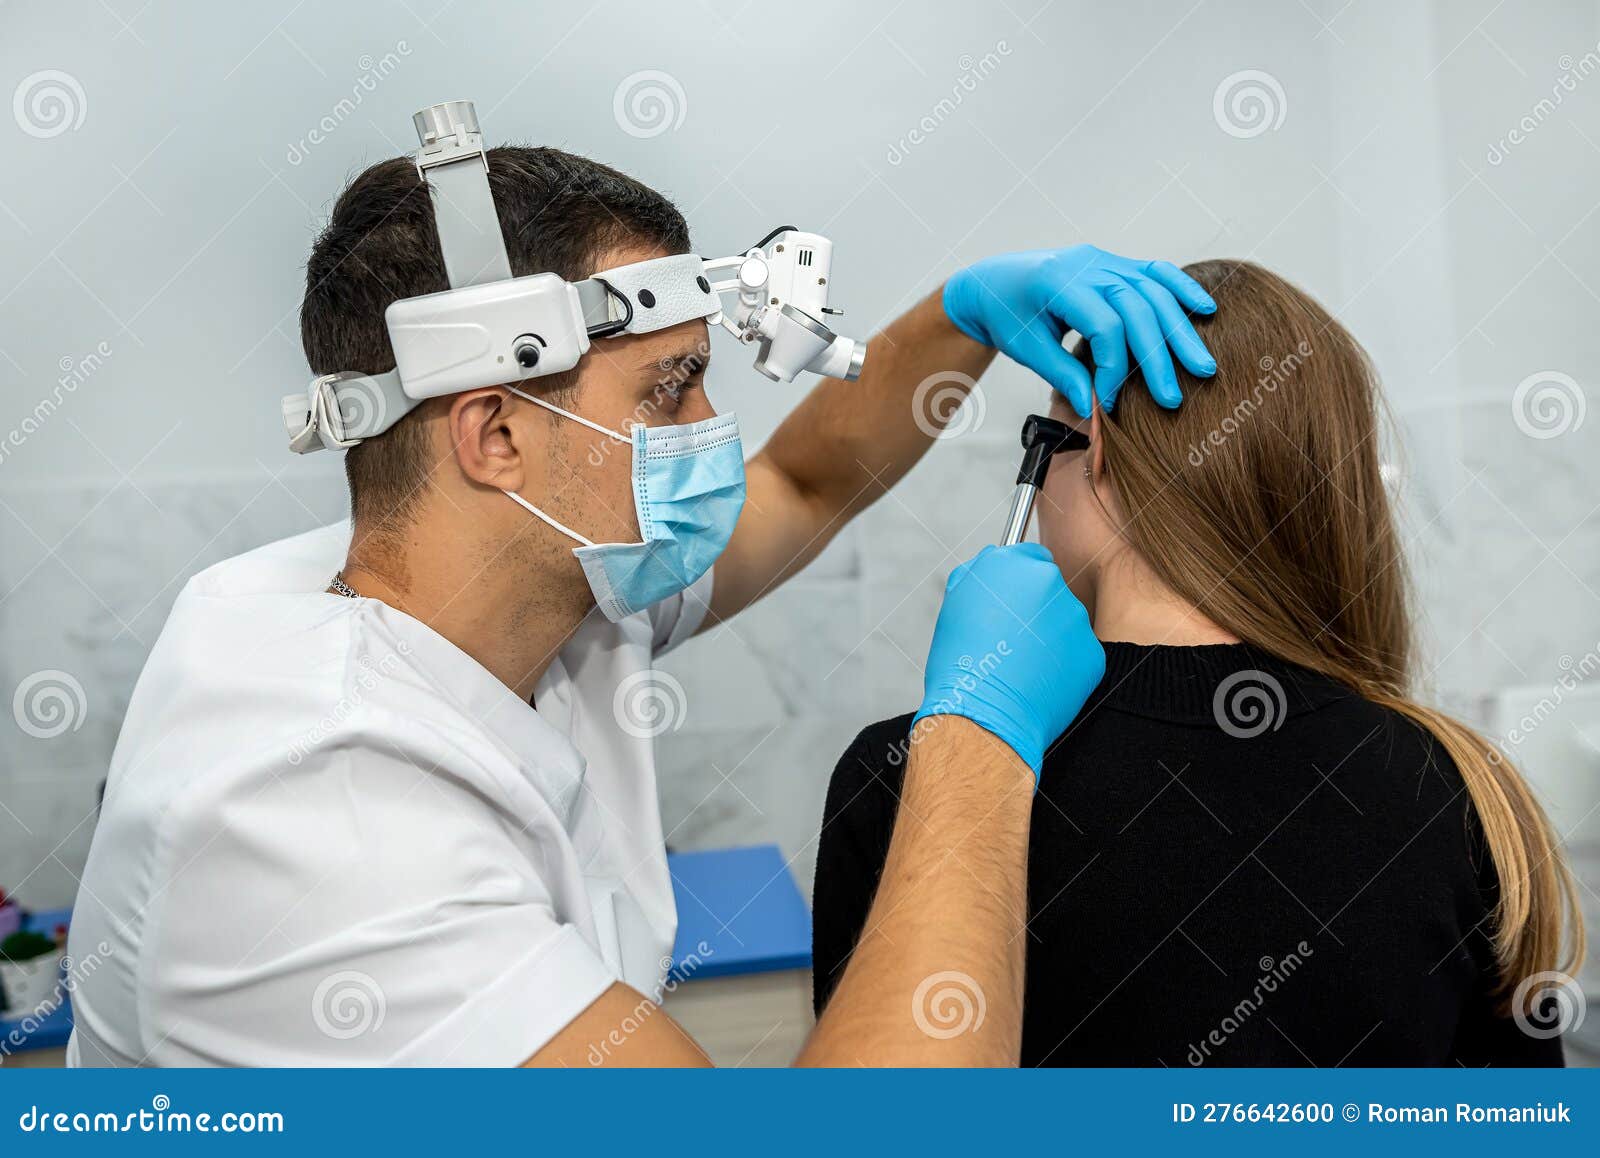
pixel 491 329
pixel 782 283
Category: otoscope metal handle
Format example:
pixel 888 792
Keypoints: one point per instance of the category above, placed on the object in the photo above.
pixel 1021 511
pixel 1041 438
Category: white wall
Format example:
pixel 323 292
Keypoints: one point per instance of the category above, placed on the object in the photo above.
pixel 163 239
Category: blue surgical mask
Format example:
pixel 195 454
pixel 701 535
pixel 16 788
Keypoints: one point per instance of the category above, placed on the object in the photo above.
pixel 688 489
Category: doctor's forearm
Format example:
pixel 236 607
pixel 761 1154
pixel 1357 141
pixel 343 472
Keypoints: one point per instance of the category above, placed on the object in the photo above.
pixel 848 442
pixel 937 977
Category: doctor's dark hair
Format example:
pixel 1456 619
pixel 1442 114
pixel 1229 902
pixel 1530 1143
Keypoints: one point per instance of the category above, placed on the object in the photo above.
pixel 559 213
pixel 1261 502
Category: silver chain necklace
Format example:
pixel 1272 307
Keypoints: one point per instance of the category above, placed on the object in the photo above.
pixel 339 587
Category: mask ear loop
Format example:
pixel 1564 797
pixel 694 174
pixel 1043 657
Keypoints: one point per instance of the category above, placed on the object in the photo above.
pixel 538 514
pixel 594 426
pixel 524 503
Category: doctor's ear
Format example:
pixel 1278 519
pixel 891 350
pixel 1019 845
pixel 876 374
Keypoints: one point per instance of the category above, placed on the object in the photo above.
pixel 488 446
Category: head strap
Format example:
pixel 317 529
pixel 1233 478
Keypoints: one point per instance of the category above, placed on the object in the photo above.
pixel 453 165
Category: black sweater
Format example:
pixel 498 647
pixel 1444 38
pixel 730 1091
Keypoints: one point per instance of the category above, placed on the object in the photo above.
pixel 1314 894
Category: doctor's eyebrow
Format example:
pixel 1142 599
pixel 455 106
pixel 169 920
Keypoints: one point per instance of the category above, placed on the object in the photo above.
pixel 688 362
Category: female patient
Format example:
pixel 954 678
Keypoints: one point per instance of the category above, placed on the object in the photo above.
pixel 1252 848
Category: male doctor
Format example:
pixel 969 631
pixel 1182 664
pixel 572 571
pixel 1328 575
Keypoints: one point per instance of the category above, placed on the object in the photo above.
pixel 372 804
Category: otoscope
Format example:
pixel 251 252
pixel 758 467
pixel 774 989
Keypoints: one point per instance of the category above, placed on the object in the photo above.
pixel 1042 439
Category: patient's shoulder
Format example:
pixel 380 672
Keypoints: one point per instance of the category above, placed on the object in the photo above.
pixel 1380 741
pixel 872 768
pixel 887 740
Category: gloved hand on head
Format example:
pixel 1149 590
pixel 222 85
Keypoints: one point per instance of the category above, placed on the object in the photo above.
pixel 1023 304
pixel 1012 651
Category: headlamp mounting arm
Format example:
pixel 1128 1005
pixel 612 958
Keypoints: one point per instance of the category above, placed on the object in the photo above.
pixel 781 296
pixel 490 328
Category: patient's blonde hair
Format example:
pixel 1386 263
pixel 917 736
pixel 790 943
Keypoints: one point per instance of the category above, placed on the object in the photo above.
pixel 1259 501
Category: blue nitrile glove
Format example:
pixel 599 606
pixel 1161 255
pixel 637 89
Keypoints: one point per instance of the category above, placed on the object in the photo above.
pixel 1023 304
pixel 1012 651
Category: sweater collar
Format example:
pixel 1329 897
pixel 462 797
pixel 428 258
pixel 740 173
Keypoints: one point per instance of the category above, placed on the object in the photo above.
pixel 1209 684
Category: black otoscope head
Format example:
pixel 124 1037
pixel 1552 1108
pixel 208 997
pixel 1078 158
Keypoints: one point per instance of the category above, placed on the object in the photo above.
pixel 1042 438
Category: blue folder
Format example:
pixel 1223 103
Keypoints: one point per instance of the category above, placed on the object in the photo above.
pixel 738 912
